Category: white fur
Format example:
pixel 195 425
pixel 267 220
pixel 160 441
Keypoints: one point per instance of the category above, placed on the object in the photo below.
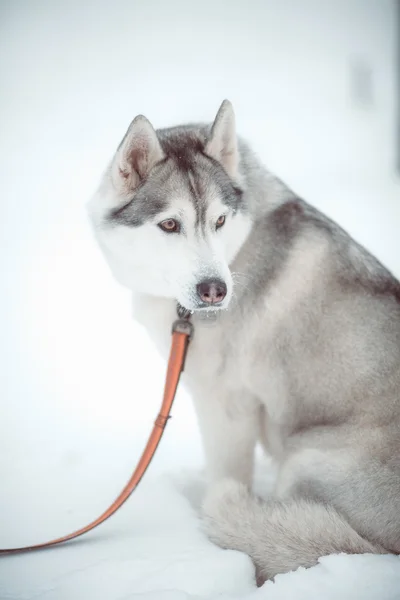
pixel 149 262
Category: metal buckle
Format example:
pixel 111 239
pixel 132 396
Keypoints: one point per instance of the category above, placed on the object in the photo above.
pixel 183 324
pixel 182 312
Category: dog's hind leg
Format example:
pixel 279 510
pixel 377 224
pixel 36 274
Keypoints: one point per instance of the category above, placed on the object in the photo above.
pixel 279 536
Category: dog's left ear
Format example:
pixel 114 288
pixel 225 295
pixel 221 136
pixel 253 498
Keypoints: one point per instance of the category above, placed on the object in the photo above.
pixel 222 144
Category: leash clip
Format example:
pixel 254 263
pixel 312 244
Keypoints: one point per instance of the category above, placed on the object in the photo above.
pixel 183 324
pixel 182 312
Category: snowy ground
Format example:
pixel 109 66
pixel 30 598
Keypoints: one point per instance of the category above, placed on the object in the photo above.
pixel 154 549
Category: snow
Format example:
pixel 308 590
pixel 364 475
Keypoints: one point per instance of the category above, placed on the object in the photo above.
pixel 154 548
pixel 80 381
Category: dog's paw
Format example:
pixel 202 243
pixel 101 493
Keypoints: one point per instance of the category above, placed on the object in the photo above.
pixel 227 508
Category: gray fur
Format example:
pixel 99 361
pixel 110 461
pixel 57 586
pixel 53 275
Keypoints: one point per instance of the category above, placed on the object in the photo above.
pixel 279 536
pixel 306 358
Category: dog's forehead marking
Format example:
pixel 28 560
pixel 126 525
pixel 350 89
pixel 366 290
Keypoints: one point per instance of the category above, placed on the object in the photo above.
pixel 184 148
pixel 195 186
pixel 198 197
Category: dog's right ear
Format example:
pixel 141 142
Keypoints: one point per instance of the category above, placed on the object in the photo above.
pixel 137 154
pixel 222 145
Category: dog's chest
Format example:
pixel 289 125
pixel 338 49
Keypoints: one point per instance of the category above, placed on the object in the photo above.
pixel 211 356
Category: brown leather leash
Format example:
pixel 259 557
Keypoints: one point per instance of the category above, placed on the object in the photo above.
pixel 182 332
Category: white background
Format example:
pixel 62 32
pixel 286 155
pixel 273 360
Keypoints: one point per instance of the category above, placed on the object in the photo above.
pixel 80 381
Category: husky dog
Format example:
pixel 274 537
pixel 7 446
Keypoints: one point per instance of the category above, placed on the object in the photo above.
pixel 297 340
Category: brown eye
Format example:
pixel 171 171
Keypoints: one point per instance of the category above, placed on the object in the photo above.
pixel 220 221
pixel 169 226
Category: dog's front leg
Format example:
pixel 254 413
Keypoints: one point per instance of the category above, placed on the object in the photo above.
pixel 229 425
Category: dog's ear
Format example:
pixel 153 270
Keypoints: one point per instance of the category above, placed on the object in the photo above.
pixel 138 152
pixel 222 144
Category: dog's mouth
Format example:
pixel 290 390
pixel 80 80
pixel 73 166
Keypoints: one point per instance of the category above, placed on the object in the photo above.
pixel 203 308
pixel 210 307
pixel 208 315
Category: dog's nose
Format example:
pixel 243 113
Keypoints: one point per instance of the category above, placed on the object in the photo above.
pixel 211 291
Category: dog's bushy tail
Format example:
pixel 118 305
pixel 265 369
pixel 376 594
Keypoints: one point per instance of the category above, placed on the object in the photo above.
pixel 279 536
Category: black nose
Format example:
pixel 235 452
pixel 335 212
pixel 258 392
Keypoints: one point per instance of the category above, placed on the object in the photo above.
pixel 211 291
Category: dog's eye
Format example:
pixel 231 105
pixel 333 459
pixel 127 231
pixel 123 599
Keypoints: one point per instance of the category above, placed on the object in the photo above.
pixel 170 226
pixel 220 221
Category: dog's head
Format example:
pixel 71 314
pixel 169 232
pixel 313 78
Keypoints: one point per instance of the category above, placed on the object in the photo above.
pixel 170 215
